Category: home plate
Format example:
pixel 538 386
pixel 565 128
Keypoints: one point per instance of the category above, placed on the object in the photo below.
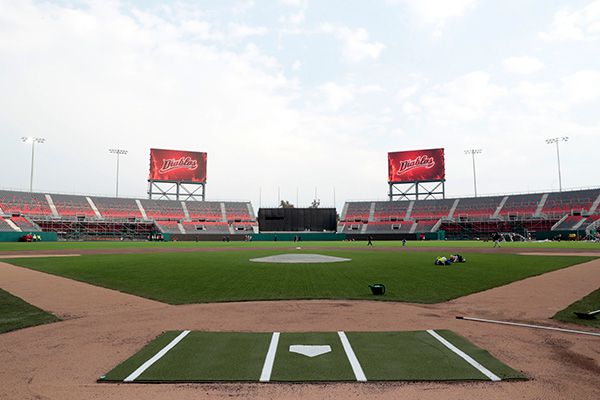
pixel 310 350
pixel 299 259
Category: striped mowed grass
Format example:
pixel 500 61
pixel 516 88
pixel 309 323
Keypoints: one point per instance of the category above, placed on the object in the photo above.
pixel 439 355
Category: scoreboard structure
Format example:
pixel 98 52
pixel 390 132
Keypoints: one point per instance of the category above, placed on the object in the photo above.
pixel 416 174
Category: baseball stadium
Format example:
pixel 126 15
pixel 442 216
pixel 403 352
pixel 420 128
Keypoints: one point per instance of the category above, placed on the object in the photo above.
pixel 203 267
pixel 104 296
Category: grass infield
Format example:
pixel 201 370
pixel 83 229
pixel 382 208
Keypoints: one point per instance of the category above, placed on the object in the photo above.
pixel 180 278
pixel 16 313
pixel 41 246
pixel 591 302
pixel 381 356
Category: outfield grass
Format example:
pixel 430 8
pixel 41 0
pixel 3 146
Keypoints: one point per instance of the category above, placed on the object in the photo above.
pixel 179 278
pixel 236 356
pixel 16 313
pixel 591 302
pixel 40 246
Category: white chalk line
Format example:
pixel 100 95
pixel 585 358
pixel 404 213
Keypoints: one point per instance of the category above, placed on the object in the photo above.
pixel 465 356
pixel 135 374
pixel 265 375
pixel 356 368
pixel 550 328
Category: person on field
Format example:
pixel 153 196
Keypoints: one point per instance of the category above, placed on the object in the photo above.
pixel 403 242
pixel 370 240
pixel 496 237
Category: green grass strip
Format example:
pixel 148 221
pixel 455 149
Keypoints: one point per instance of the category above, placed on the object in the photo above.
pixel 180 278
pixel 591 302
pixel 16 313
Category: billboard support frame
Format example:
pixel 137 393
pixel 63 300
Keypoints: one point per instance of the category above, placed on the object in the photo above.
pixel 174 190
pixel 417 190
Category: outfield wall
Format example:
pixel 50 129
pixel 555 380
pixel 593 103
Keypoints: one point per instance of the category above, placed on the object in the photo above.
pixel 304 236
pixel 14 236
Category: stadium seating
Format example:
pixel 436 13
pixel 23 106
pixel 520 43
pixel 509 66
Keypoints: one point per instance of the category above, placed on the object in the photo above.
pixel 568 223
pixel 389 227
pixel 477 207
pixel 357 211
pixel 72 206
pixel 390 210
pixel 24 203
pixel 522 205
pixel 204 210
pixel 24 223
pixel 163 209
pixel 206 227
pixel 237 212
pixel 424 226
pixel 168 226
pixel 5 227
pixel 110 207
pixel 432 209
pixel 560 203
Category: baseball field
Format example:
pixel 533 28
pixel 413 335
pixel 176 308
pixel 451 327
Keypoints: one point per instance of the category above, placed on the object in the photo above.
pixel 195 312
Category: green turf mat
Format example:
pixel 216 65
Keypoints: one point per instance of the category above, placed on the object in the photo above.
pixel 16 313
pixel 293 367
pixel 383 356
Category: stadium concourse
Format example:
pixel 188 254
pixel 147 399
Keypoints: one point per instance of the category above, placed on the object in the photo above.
pixel 541 215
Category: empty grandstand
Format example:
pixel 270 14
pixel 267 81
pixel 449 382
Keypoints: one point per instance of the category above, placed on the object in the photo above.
pixel 95 218
pixel 474 217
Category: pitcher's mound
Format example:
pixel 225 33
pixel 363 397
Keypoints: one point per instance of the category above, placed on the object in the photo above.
pixel 299 259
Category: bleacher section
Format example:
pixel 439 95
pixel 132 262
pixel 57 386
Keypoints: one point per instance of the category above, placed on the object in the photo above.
pixel 476 216
pixel 358 211
pixel 561 203
pixel 522 205
pixel 477 207
pixel 24 224
pixel 24 203
pixel 163 209
pixel 206 227
pixel 390 210
pixel 237 212
pixel 119 217
pixel 431 209
pixel 117 208
pixel 204 210
pixel 5 227
pixel 568 223
pixel 72 206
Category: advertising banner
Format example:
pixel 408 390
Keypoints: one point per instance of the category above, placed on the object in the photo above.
pixel 177 166
pixel 416 165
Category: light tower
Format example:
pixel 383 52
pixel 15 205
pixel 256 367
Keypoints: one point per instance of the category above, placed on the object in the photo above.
pixel 472 152
pixel 557 140
pixel 33 141
pixel 118 152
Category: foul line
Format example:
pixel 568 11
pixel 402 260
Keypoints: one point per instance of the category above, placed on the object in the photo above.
pixel 356 368
pixel 265 375
pixel 465 356
pixel 135 374
pixel 550 328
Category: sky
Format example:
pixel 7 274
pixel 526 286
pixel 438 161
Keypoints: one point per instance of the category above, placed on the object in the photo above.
pixel 299 96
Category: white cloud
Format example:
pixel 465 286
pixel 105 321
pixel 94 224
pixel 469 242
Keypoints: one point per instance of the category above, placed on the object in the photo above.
pixel 523 65
pixel 356 46
pixel 581 87
pixel 240 31
pixel 581 24
pixel 436 12
pixel 467 98
pixel 336 96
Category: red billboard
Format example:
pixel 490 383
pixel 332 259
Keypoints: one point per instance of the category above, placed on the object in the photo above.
pixel 177 166
pixel 416 165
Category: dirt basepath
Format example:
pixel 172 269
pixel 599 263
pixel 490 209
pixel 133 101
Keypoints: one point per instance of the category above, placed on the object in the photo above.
pixel 104 327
